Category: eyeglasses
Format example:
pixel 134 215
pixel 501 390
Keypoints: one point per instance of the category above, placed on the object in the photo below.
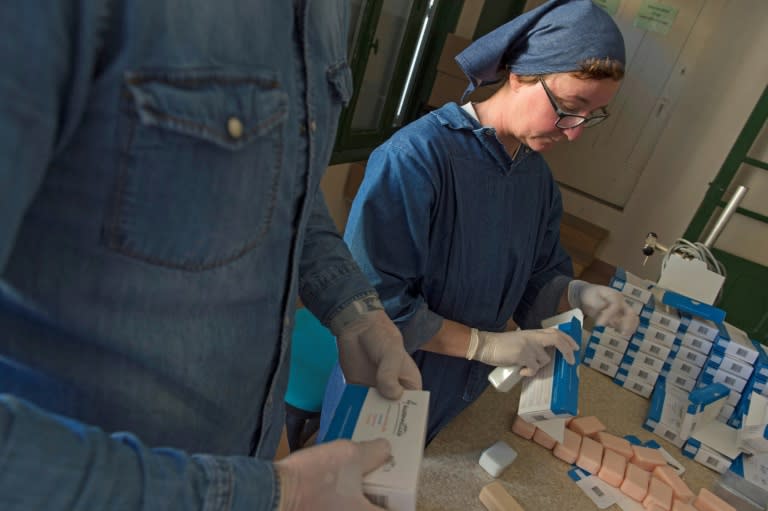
pixel 566 120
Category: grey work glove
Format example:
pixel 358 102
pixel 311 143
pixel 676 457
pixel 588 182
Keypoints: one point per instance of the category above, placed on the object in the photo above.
pixel 329 477
pixel 604 304
pixel 522 348
pixel 371 350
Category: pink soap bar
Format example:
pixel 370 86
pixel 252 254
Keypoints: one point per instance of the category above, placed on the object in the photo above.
pixel 636 482
pixel 568 451
pixel 612 471
pixel 522 428
pixel 544 439
pixel 680 490
pixel 587 426
pixel 647 458
pixel 659 494
pixel 590 455
pixel 708 501
pixel 679 505
pixel 654 507
pixel 615 443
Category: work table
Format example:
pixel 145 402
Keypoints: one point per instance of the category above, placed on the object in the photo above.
pixel 451 477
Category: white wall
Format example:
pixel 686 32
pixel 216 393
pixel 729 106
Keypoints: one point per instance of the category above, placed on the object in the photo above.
pixel 725 83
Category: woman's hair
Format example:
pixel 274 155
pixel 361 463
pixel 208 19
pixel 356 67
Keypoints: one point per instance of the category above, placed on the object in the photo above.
pixel 589 69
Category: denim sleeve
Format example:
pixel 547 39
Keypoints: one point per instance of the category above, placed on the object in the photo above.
pixel 47 57
pixel 54 463
pixel 329 277
pixel 552 272
pixel 397 194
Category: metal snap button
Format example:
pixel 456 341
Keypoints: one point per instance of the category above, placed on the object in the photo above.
pixel 235 127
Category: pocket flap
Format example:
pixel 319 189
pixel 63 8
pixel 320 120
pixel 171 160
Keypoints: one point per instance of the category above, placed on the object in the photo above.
pixel 227 109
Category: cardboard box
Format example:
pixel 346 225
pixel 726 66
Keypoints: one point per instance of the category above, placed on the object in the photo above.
pixel 363 414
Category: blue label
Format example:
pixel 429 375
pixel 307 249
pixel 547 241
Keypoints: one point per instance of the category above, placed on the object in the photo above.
pixel 565 377
pixel 347 412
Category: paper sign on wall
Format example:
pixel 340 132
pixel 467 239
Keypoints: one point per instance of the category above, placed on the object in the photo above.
pixel 655 17
pixel 609 6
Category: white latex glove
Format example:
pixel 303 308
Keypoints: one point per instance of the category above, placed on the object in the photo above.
pixel 606 305
pixel 371 350
pixel 329 476
pixel 522 348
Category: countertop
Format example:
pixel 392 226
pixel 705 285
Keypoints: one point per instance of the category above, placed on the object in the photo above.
pixel 451 477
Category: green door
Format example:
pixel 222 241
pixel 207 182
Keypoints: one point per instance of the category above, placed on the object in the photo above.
pixel 745 293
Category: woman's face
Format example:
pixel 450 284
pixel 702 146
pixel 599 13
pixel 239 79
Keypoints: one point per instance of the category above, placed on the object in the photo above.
pixel 531 117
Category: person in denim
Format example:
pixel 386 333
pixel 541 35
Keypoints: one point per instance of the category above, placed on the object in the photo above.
pixel 160 215
pixel 457 219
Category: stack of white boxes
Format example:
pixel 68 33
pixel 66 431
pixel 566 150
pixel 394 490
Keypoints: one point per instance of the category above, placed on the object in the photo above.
pixel 606 347
pixel 731 365
pixel 696 340
pixel 757 384
pixel 652 349
pixel 730 362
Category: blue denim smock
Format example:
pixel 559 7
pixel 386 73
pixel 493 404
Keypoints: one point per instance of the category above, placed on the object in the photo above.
pixel 160 213
pixel 447 225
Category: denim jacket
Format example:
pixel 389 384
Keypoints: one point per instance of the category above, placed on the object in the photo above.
pixel 160 213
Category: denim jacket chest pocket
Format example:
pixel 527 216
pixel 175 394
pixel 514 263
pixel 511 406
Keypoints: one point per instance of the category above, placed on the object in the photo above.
pixel 200 166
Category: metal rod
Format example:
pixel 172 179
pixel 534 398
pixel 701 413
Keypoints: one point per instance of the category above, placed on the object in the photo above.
pixel 421 45
pixel 725 215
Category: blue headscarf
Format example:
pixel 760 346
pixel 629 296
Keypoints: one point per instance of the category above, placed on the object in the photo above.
pixel 552 38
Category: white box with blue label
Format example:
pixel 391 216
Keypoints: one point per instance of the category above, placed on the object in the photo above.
pixel 632 286
pixel 704 406
pixel 698 318
pixel 666 411
pixel 661 315
pixel 687 384
pixel 554 391
pixel 682 368
pixel 736 344
pixel 761 363
pixel 363 414
pixel 753 435
pixel 696 343
pixel 735 366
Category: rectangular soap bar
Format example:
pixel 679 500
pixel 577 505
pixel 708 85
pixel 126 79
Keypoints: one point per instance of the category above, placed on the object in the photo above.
pixel 544 439
pixel 568 450
pixel 495 498
pixel 636 481
pixel 614 466
pixel 615 443
pixel 659 494
pixel 587 426
pixel 680 490
pixel 590 455
pixel 679 505
pixel 647 458
pixel 708 501
pixel 522 428
pixel 497 457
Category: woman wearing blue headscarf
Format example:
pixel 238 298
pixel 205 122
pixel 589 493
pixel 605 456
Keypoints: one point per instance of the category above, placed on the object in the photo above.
pixel 457 220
